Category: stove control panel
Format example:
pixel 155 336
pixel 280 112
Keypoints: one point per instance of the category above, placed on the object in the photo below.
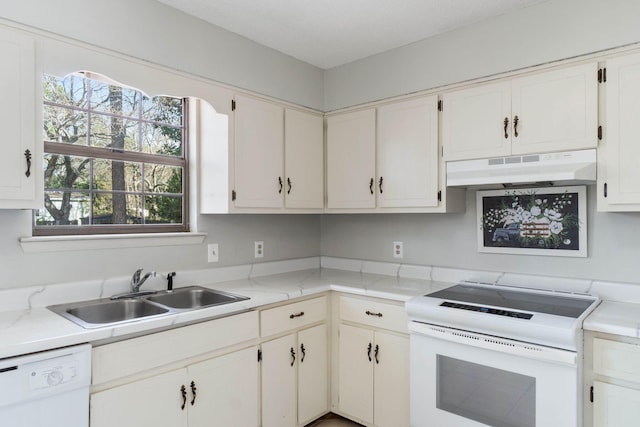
pixel 496 311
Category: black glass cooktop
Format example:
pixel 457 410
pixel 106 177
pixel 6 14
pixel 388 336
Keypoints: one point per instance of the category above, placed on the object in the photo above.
pixel 559 305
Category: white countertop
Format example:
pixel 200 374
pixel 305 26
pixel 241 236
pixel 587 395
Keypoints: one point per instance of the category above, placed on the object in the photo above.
pixel 27 326
pixel 36 329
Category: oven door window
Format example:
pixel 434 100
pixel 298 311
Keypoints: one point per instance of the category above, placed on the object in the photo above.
pixel 488 395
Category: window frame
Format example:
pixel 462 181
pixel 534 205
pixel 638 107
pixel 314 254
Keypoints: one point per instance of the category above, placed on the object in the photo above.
pixel 101 153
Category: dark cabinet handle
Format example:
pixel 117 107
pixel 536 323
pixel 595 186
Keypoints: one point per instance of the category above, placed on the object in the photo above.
pixel 303 351
pixel 281 184
pixel 515 126
pixel 193 392
pixel 183 391
pixel 293 356
pixel 289 185
pixel 293 316
pixel 380 185
pixel 506 125
pixel 369 352
pixel 371 313
pixel 27 156
pixel 375 353
pixel 371 185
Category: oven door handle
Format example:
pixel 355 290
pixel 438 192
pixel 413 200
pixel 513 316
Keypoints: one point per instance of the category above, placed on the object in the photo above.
pixel 502 345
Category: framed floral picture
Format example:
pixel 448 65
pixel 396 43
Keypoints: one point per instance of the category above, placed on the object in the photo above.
pixel 534 221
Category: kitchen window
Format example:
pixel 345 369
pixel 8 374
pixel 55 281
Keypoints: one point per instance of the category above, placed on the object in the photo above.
pixel 114 159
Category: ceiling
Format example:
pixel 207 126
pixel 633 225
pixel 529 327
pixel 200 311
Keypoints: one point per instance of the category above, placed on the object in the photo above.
pixel 329 33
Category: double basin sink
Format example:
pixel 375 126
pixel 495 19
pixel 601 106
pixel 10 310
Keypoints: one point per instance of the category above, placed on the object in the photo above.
pixel 108 312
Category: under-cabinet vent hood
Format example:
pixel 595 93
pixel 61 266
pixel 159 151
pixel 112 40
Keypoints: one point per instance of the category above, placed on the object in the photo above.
pixel 566 168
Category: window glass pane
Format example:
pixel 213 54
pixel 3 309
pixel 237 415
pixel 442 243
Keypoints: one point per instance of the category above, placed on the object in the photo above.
pixel 112 157
pixel 64 125
pixel 162 179
pixel 163 209
pixel 159 139
pixel 114 99
pixel 163 110
pixel 64 208
pixel 70 90
pixel 66 172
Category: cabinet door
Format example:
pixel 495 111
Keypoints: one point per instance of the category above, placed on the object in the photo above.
pixel 313 374
pixel 258 153
pixel 226 390
pixel 407 153
pixel 355 388
pixel 21 99
pixel 615 406
pixel 154 401
pixel 304 160
pixel 351 160
pixel 279 358
pixel 391 377
pixel 473 122
pixel 619 152
pixel 555 110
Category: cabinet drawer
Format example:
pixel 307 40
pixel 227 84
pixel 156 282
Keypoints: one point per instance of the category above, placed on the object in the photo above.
pixel 292 316
pixel 616 359
pixel 374 313
pixel 128 357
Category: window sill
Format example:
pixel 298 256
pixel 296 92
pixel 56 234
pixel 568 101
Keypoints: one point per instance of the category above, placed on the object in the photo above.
pixel 104 241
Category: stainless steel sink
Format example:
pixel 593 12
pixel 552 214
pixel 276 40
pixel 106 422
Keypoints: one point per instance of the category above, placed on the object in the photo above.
pixel 194 297
pixel 109 312
pixel 93 314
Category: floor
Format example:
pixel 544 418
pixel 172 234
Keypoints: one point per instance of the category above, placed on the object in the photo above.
pixel 333 420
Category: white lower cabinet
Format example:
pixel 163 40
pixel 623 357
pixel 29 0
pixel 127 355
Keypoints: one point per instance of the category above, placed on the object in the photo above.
pixel 374 374
pixel 295 367
pixel 294 378
pixel 373 362
pixel 220 391
pixel 615 390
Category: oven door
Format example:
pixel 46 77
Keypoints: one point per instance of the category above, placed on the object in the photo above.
pixel 462 379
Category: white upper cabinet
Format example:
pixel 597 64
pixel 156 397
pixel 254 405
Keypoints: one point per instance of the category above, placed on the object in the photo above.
pixel 258 150
pixel 21 160
pixel 475 122
pixel 262 158
pixel 407 153
pixel 388 159
pixel 543 112
pixel 351 161
pixel 619 152
pixel 304 160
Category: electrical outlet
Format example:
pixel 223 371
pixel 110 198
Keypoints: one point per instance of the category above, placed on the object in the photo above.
pixel 397 250
pixel 258 251
pixel 212 252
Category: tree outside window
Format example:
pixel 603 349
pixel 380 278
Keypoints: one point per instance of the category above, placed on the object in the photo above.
pixel 114 159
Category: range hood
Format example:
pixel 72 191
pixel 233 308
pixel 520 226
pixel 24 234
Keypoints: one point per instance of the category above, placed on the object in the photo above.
pixel 565 168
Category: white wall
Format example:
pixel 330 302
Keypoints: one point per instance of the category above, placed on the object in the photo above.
pixel 450 240
pixel 549 31
pixel 152 31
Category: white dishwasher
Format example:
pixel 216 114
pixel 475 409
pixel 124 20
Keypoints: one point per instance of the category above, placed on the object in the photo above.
pixel 46 389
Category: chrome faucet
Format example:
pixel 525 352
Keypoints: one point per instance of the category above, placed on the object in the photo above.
pixel 136 281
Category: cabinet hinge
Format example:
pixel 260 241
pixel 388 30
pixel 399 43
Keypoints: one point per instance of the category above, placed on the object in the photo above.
pixel 233 195
pixel 440 105
pixel 605 189
pixel 440 195
pixel 259 355
pixel 233 105
pixel 602 75
pixel 599 133
pixel 591 394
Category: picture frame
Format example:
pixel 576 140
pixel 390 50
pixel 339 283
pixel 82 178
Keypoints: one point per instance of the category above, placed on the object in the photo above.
pixel 549 221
